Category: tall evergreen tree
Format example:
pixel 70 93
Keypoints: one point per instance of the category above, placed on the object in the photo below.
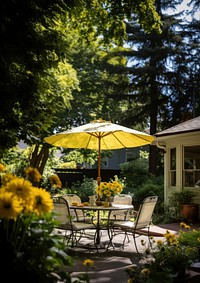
pixel 158 70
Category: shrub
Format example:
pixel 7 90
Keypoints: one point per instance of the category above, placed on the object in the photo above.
pixel 152 186
pixel 85 189
pixel 135 173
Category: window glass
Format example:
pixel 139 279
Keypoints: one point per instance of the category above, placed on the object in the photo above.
pixel 173 159
pixel 173 166
pixel 191 171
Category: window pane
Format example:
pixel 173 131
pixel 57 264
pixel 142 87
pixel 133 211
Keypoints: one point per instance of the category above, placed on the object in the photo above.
pixel 191 173
pixel 173 178
pixel 173 159
pixel 197 179
pixel 192 157
pixel 173 166
pixel 189 179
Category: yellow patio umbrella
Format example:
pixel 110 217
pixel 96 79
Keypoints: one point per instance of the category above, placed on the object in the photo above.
pixel 100 135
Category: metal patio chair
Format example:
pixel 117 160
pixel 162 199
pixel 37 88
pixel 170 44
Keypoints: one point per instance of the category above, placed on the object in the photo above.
pixel 141 226
pixel 74 230
pixel 122 214
pixel 79 214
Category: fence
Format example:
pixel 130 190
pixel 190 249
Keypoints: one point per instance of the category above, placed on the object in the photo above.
pixel 70 176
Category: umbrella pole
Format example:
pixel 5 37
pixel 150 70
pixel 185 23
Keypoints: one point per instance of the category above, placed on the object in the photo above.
pixel 99 165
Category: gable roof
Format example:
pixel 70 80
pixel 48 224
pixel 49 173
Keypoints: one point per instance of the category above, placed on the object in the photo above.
pixel 191 125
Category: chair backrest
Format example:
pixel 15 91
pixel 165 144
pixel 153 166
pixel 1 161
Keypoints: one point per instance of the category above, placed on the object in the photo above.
pixel 123 199
pixel 145 212
pixel 61 210
pixel 72 198
pixel 121 214
pixel 78 214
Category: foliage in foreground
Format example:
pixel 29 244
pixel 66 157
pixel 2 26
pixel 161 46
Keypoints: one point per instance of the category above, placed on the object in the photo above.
pixel 28 246
pixel 168 259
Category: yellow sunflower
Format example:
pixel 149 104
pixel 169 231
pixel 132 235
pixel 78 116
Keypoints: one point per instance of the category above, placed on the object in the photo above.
pixel 145 272
pixel 23 189
pixel 55 181
pixel 88 262
pixel 184 225
pixel 6 178
pixel 108 189
pixel 33 174
pixel 43 202
pixel 10 206
pixel 2 167
pixel 160 243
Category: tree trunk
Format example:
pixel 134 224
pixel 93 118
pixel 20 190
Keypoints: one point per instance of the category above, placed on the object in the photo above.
pixel 152 159
pixel 39 157
pixel 153 118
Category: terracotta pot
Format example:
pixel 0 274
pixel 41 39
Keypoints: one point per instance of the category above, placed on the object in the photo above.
pixel 189 212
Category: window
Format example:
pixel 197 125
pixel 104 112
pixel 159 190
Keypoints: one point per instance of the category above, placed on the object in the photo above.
pixel 173 166
pixel 131 154
pixel 191 166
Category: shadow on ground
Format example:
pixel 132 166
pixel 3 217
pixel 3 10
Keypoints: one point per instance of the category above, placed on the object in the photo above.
pixel 111 266
pixel 108 266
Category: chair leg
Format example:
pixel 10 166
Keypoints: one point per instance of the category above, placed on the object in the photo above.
pixel 125 237
pixel 111 234
pixel 67 237
pixel 134 238
pixel 77 235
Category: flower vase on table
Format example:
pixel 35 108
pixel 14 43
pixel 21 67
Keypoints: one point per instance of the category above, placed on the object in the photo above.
pixel 107 190
pixel 109 201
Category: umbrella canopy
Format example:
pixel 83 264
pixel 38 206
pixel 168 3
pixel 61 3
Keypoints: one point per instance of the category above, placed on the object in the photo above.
pixel 100 135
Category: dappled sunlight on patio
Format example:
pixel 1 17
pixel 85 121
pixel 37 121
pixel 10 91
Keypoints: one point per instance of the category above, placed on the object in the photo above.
pixel 111 265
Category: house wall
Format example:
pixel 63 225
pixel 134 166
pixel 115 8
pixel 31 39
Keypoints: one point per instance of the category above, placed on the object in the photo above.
pixel 119 156
pixel 178 141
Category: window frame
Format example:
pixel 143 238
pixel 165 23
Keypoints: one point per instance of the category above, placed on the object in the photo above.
pixel 191 166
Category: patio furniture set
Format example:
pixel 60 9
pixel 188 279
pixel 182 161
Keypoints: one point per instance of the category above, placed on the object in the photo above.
pixel 84 221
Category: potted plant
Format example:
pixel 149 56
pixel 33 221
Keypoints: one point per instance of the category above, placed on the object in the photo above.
pixel 183 200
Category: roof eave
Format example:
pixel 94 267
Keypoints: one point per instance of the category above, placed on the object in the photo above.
pixel 175 133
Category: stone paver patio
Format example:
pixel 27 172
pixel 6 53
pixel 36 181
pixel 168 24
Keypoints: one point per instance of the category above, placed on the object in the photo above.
pixel 110 266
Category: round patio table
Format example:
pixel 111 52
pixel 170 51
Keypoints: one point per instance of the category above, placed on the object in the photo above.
pixel 114 207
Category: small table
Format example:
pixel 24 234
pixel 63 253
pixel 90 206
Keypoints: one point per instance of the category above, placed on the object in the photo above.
pixel 114 207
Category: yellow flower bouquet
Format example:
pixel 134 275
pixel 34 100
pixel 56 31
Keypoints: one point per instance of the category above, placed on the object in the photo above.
pixel 28 247
pixel 109 189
